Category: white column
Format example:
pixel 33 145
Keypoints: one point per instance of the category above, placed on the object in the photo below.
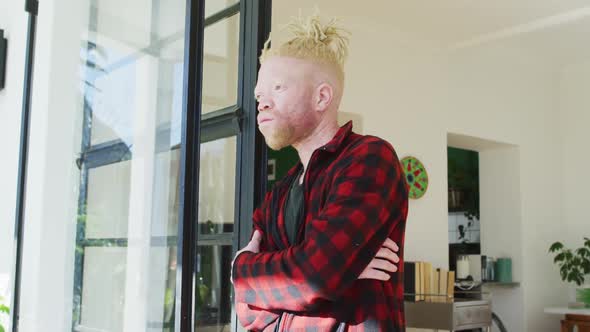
pixel 140 196
pixel 53 178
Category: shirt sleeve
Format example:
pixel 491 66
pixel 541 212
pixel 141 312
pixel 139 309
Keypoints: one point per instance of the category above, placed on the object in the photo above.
pixel 367 199
pixel 253 318
pixel 249 316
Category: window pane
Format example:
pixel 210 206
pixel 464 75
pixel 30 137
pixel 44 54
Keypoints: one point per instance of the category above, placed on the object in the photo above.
pixel 107 206
pixel 102 191
pixel 162 286
pixel 217 186
pixel 220 66
pixel 213 288
pixel 112 98
pixel 214 6
pixel 104 288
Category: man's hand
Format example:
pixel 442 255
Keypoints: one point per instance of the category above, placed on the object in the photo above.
pixel 383 264
pixel 252 246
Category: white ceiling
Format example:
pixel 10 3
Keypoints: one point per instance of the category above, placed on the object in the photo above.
pixel 555 32
pixel 558 46
pixel 455 21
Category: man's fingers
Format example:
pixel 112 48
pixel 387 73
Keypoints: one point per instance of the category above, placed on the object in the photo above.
pixel 370 273
pixel 382 264
pixel 391 245
pixel 387 254
pixel 254 244
pixel 257 236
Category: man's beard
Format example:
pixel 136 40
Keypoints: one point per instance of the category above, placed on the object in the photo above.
pixel 278 138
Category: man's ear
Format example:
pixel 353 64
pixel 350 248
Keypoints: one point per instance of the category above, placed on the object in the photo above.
pixel 324 96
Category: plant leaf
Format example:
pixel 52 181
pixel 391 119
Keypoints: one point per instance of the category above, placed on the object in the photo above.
pixel 556 246
pixel 576 261
pixel 583 252
pixel 559 257
pixel 573 275
pixel 563 275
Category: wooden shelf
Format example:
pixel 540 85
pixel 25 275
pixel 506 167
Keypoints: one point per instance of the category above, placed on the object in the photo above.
pixel 457 211
pixel 503 284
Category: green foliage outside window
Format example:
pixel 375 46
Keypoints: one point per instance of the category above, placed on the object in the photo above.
pixel 4 311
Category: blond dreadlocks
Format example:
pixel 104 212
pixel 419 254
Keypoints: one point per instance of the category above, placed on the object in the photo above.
pixel 326 44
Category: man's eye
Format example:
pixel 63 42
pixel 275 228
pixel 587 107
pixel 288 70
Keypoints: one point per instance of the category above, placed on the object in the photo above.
pixel 278 87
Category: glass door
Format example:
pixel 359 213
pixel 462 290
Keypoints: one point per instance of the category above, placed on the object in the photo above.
pixel 101 238
pixel 124 215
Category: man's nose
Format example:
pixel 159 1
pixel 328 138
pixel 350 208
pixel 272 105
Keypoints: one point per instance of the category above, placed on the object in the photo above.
pixel 264 105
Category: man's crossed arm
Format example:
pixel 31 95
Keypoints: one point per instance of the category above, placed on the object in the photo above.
pixel 380 268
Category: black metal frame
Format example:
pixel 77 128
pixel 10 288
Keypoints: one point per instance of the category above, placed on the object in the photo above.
pixel 252 159
pixel 251 162
pixel 3 52
pixel 31 6
pixel 189 161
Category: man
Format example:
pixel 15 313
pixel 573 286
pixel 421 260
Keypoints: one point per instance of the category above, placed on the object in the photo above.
pixel 322 252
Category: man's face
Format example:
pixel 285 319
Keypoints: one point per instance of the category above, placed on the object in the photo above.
pixel 285 91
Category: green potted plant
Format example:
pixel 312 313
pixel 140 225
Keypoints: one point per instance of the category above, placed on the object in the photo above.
pixel 4 311
pixel 574 267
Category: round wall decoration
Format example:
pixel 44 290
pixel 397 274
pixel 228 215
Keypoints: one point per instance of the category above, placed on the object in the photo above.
pixel 416 177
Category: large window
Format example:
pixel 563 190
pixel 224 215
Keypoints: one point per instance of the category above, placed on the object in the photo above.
pixel 107 221
pixel 126 229
pixel 104 228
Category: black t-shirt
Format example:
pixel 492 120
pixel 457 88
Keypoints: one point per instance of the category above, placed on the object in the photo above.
pixel 294 210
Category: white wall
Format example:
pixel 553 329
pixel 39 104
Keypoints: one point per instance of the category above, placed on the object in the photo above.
pixel 574 108
pixel 413 96
pixel 13 20
pixel 502 227
pixel 575 121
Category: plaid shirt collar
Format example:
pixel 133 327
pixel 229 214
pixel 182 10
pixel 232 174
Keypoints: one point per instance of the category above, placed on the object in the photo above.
pixel 339 138
pixel 332 146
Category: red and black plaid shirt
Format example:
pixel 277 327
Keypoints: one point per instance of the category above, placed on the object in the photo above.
pixel 355 197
